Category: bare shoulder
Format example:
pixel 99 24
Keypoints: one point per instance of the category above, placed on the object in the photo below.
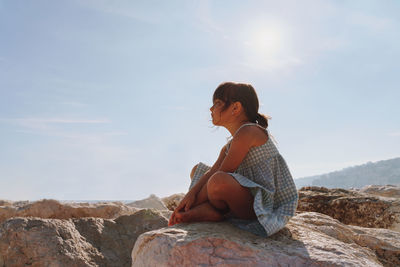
pixel 253 135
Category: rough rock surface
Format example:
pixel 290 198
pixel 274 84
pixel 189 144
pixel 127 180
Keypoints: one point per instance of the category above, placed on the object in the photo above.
pixel 152 202
pixel 351 207
pixel 171 202
pixel 53 209
pixel 310 239
pixel 74 242
pixel 382 190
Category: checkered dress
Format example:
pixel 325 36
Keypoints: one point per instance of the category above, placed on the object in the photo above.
pixel 265 173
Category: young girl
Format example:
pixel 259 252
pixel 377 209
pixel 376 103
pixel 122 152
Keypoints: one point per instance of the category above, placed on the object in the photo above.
pixel 250 183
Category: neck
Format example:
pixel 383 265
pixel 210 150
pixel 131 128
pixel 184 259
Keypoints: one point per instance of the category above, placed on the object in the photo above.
pixel 234 126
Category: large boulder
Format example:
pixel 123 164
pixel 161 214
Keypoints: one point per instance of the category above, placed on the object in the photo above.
pixel 310 239
pixel 74 242
pixel 45 242
pixel 351 207
pixel 53 209
pixel 382 190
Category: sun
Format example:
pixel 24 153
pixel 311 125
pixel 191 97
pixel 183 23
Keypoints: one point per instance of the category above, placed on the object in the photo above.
pixel 263 44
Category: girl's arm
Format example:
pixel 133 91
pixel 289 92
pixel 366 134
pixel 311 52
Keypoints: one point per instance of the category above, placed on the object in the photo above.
pixel 203 180
pixel 241 143
pixel 240 146
pixel 191 196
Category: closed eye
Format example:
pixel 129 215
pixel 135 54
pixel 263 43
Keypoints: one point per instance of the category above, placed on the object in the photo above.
pixel 217 103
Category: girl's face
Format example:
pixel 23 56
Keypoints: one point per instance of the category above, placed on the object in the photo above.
pixel 219 116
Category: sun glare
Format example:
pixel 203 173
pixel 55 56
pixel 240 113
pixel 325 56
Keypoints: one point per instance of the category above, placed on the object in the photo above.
pixel 263 45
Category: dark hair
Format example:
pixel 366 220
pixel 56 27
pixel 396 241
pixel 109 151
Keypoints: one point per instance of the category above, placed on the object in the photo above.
pixel 230 92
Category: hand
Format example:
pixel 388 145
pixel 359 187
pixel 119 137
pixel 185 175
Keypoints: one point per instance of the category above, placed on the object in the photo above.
pixel 185 204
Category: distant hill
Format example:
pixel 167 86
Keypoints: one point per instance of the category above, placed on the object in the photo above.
pixel 379 173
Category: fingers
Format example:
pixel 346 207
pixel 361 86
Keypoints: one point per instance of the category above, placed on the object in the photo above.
pixel 184 205
pixel 190 202
pixel 172 219
pixel 188 205
pixel 181 205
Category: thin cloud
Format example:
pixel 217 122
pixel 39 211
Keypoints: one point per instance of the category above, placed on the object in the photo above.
pixel 128 9
pixel 78 138
pixel 48 126
pixel 25 121
pixel 205 21
pixel 175 108
pixel 372 23
pixel 394 134
pixel 73 104
pixel 333 44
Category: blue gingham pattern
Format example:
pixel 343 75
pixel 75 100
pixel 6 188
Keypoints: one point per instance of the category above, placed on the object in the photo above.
pixel 266 174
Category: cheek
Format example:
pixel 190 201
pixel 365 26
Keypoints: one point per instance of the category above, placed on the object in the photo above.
pixel 217 112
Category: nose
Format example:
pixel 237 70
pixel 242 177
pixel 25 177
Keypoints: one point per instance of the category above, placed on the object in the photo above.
pixel 211 108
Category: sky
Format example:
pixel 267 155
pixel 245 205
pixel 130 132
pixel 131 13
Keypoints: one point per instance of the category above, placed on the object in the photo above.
pixel 109 100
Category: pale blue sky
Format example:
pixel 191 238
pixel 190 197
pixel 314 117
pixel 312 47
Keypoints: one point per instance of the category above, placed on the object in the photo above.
pixel 110 99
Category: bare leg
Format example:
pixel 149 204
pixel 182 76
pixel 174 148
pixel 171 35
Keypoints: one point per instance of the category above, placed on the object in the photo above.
pixel 221 194
pixel 204 212
pixel 224 192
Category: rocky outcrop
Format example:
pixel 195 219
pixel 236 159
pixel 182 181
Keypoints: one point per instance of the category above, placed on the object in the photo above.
pixel 310 239
pixel 104 234
pixel 53 209
pixel 171 202
pixel 74 242
pixel 351 207
pixel 382 190
pixel 152 202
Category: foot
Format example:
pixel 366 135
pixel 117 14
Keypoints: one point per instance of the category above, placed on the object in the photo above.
pixel 201 213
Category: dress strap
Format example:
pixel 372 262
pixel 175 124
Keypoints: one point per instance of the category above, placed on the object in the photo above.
pixel 250 123
pixel 229 139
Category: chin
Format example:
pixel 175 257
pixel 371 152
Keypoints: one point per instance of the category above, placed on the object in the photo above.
pixel 214 121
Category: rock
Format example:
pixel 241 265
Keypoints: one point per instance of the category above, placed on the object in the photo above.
pixel 152 202
pixel 382 190
pixel 5 202
pixel 115 238
pixel 166 213
pixel 74 242
pixel 171 202
pixel 384 243
pixel 45 242
pixel 310 239
pixel 53 209
pixel 351 207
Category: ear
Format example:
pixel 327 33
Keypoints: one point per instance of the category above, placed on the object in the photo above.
pixel 236 108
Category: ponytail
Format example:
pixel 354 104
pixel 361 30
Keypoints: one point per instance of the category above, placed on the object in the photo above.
pixel 262 120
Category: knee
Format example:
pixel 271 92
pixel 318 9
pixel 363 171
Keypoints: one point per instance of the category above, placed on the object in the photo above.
pixel 218 184
pixel 193 171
